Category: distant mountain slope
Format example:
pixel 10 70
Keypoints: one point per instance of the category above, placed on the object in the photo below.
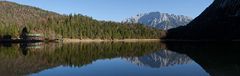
pixel 159 20
pixel 14 17
pixel 220 21
pixel 22 15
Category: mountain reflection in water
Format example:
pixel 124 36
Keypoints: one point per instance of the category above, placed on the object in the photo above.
pixel 162 58
pixel 139 58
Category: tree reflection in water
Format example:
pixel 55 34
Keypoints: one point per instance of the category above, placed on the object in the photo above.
pixel 25 59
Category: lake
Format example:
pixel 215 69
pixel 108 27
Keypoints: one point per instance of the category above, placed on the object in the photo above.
pixel 117 59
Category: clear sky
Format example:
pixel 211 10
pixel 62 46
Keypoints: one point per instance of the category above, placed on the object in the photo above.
pixel 117 10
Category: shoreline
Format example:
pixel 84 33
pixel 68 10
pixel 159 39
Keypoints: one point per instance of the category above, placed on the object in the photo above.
pixel 68 40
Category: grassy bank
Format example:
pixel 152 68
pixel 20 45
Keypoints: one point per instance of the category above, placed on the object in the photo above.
pixel 66 40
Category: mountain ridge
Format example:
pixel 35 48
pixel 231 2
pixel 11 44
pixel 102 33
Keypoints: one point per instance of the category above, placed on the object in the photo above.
pixel 159 20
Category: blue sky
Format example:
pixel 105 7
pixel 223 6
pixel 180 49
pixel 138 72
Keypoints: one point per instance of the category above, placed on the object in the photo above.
pixel 117 10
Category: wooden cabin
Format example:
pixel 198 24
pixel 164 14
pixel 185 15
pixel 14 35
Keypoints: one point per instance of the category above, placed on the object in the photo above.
pixel 35 37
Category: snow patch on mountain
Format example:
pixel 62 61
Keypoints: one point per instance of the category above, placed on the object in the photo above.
pixel 159 20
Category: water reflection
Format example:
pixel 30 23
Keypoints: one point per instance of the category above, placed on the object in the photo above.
pixel 20 59
pixel 27 46
pixel 142 59
pixel 24 49
pixel 162 58
pixel 217 58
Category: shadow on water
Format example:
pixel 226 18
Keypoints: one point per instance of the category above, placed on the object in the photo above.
pixel 217 58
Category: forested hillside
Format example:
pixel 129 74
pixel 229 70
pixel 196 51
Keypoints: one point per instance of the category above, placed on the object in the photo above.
pixel 14 17
pixel 220 21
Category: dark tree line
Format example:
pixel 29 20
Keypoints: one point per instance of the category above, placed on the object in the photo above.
pixel 78 26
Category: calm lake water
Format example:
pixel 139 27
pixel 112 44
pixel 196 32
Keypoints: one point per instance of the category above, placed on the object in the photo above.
pixel 109 59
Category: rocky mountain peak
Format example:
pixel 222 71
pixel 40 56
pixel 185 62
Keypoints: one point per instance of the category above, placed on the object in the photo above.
pixel 159 20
